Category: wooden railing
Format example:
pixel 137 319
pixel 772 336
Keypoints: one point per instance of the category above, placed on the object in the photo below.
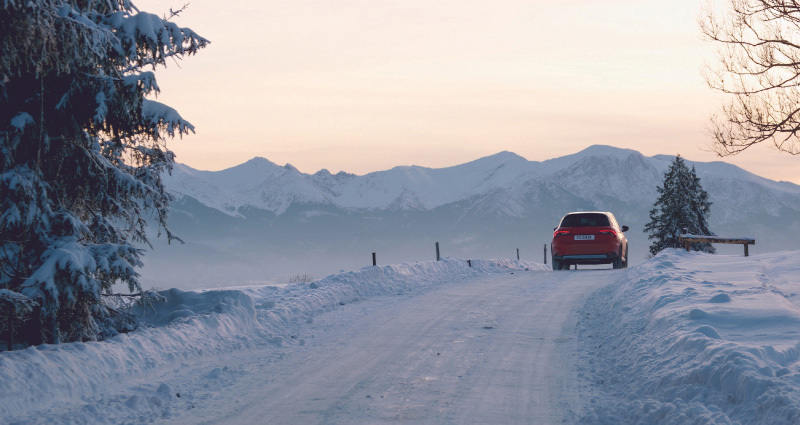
pixel 689 239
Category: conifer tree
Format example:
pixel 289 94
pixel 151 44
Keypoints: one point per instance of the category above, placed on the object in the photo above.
pixel 682 204
pixel 82 152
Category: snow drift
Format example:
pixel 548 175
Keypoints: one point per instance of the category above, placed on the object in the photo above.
pixel 697 338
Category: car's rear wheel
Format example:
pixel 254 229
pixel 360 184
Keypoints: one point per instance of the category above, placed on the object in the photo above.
pixel 617 264
pixel 625 263
pixel 560 265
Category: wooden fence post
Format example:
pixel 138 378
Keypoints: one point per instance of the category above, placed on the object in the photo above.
pixel 437 251
pixel 11 329
pixel 685 231
pixel 469 263
pixel 374 261
pixel 517 253
pixel 545 254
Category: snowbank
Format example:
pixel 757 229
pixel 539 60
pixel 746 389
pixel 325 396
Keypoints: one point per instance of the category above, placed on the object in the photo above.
pixel 682 338
pixel 696 338
pixel 39 381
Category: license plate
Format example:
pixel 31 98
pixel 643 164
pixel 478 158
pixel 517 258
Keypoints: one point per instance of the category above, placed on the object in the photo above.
pixel 584 237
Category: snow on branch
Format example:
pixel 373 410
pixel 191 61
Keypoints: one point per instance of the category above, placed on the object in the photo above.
pixel 161 116
pixel 146 32
pixel 21 304
pixel 145 81
pixel 21 120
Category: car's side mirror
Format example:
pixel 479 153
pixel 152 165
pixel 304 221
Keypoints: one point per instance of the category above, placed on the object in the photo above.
pixel 624 228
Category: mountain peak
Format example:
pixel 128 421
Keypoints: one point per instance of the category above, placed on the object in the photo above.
pixel 593 150
pixel 495 160
pixel 257 161
pixel 606 150
pixel 506 156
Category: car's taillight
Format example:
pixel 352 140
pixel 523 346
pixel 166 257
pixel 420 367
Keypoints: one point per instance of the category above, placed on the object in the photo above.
pixel 607 232
pixel 560 232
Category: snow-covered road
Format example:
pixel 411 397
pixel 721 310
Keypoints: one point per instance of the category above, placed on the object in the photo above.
pixel 684 338
pixel 497 349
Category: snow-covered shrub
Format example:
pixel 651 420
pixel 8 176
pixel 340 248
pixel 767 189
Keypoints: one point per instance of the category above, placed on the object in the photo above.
pixel 81 155
pixel 124 309
pixel 301 278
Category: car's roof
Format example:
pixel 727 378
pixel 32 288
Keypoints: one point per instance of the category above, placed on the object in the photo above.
pixel 590 212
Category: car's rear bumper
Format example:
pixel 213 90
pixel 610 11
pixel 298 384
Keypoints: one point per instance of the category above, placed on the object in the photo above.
pixel 587 258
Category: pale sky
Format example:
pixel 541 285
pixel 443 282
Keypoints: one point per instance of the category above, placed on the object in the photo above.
pixel 366 85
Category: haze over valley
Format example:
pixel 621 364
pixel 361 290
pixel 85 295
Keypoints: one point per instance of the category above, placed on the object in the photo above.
pixel 260 222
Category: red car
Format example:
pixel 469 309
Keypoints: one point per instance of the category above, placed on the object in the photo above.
pixel 589 238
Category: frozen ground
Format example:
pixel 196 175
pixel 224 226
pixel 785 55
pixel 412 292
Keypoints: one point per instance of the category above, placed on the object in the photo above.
pixel 682 338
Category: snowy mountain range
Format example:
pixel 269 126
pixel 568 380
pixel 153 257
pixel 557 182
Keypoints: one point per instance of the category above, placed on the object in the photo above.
pixel 270 219
pixel 261 184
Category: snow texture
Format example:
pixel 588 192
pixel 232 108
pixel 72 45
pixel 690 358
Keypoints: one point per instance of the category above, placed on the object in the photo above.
pixel 697 338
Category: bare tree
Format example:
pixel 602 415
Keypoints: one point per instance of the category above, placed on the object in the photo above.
pixel 759 68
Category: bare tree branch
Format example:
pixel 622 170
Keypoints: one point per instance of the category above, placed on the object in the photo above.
pixel 759 68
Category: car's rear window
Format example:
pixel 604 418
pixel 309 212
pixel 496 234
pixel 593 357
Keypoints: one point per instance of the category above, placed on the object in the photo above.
pixel 585 220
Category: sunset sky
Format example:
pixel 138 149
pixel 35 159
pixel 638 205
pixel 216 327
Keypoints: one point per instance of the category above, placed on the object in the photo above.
pixel 361 86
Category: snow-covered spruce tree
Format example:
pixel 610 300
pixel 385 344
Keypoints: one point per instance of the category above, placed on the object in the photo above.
pixel 682 204
pixel 82 154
